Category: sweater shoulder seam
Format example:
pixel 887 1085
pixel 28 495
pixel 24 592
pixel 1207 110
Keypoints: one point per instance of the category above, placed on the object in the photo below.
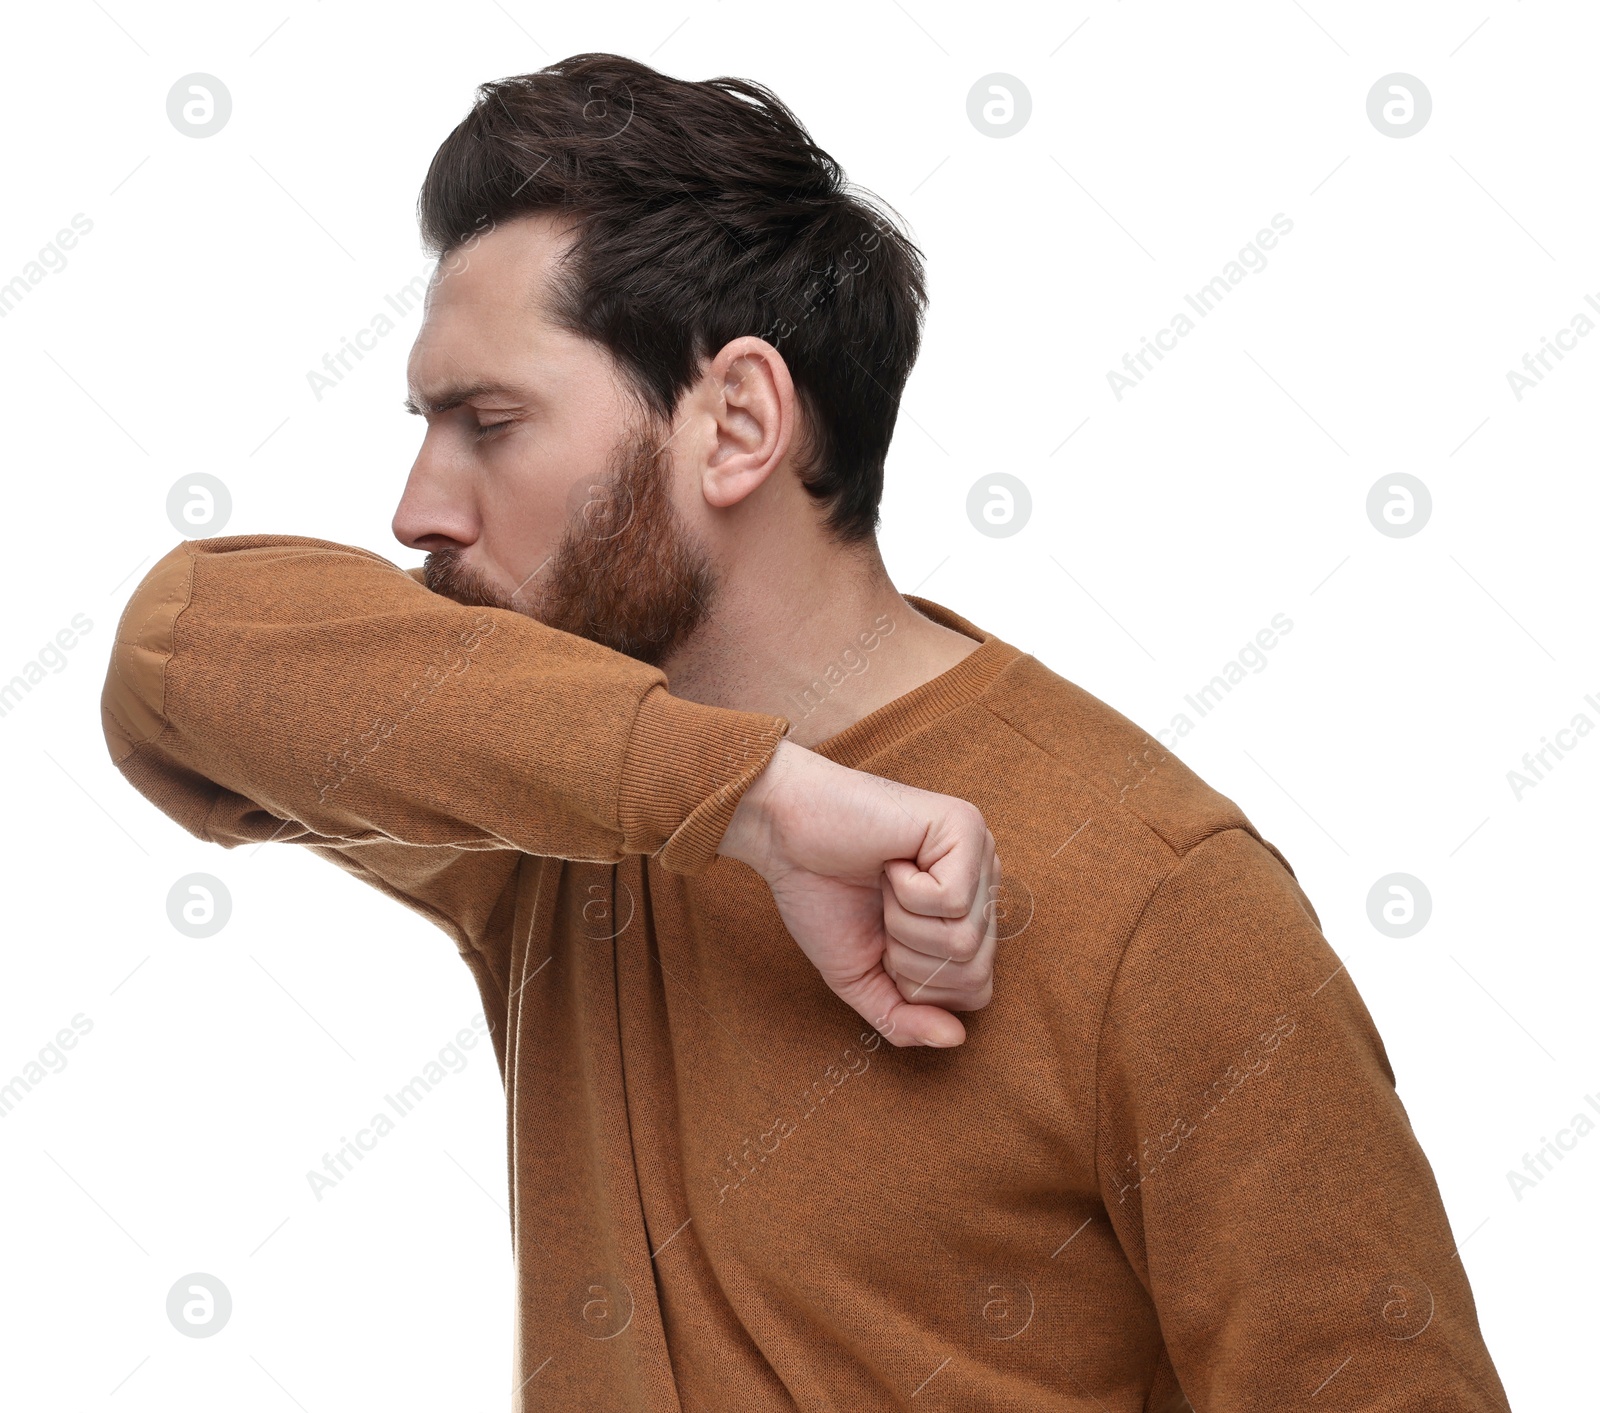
pixel 1122 811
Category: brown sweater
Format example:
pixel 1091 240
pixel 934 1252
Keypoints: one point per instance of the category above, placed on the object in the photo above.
pixel 1169 1160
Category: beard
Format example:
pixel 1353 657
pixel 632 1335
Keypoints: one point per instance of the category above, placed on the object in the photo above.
pixel 627 573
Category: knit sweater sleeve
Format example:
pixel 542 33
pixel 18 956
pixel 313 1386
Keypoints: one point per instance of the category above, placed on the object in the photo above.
pixel 283 687
pixel 1259 1168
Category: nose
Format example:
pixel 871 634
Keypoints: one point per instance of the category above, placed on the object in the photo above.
pixel 436 510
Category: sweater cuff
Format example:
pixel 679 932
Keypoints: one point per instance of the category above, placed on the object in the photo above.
pixel 686 768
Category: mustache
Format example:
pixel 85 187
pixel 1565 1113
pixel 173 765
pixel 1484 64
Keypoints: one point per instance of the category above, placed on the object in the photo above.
pixel 446 572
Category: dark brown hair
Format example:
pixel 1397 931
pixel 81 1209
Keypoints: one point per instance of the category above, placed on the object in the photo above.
pixel 702 211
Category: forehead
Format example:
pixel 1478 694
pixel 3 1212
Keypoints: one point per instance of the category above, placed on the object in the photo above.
pixel 484 311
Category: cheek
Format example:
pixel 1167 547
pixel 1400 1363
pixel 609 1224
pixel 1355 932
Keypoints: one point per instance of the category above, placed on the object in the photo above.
pixel 522 521
pixel 532 488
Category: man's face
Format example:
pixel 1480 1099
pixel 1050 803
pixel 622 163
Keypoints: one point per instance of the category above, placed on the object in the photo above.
pixel 540 487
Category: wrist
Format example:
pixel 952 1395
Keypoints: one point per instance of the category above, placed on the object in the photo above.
pixel 749 835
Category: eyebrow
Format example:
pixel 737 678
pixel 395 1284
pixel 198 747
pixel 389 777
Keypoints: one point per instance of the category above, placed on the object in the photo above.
pixel 451 397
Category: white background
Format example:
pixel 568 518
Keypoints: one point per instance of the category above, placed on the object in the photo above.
pixel 1229 486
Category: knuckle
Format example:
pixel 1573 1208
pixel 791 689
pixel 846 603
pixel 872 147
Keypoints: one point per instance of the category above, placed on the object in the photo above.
pixel 964 949
pixel 973 940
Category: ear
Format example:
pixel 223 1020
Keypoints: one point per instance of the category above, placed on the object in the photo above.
pixel 749 398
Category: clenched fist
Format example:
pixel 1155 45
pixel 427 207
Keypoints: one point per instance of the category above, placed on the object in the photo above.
pixel 886 889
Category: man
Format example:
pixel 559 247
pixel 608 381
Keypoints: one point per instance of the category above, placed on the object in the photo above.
pixel 652 713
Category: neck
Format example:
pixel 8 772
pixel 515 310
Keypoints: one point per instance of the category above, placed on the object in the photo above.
pixel 823 643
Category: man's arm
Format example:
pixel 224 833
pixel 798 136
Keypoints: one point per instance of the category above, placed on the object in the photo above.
pixel 1259 1168
pixel 322 685
pixel 274 687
